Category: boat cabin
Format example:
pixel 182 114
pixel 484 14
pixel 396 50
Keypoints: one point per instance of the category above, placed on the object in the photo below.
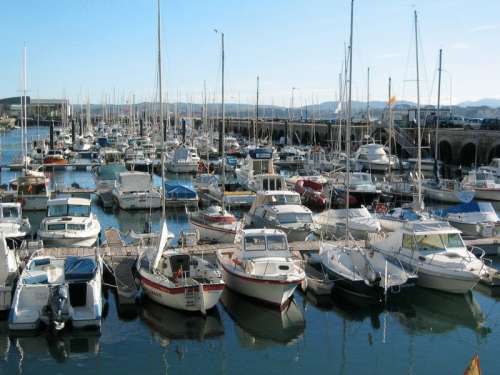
pixel 10 211
pixel 258 243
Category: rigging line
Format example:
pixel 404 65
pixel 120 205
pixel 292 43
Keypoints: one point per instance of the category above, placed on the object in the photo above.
pixel 407 65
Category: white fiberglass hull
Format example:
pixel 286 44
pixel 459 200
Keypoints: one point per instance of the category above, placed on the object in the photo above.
pixel 176 297
pixel 488 194
pixel 449 196
pixel 182 167
pixel 33 202
pixel 62 239
pixel 458 284
pixel 214 234
pixel 269 291
pixel 138 201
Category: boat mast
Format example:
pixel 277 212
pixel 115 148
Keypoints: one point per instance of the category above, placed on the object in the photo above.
pixel 24 117
pixel 390 127
pixel 436 144
pixel 419 136
pixel 162 128
pixel 223 122
pixel 367 102
pixel 256 114
pixel 348 129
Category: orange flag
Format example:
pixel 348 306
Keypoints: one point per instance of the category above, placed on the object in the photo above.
pixel 474 367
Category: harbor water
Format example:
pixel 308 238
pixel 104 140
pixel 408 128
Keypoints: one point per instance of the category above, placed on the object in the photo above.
pixel 419 332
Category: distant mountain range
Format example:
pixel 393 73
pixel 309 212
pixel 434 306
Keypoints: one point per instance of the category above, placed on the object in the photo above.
pixel 492 103
pixel 483 108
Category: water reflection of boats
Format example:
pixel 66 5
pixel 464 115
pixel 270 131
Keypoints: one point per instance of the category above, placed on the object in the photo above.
pixel 61 347
pixel 169 324
pixel 259 326
pixel 439 312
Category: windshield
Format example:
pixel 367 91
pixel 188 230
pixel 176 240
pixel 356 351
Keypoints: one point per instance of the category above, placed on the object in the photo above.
pixel 71 210
pixel 432 242
pixel 293 217
pixel 285 199
pixel 255 243
pixel 10 212
pixel 276 242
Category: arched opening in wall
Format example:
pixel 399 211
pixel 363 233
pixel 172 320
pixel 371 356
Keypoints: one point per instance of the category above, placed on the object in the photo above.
pixel 305 138
pixel 244 132
pixel 260 134
pixel 318 139
pixel 281 134
pixel 467 155
pixel 494 153
pixel 445 152
pixel 275 135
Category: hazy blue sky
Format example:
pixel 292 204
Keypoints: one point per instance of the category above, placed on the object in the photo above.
pixel 101 47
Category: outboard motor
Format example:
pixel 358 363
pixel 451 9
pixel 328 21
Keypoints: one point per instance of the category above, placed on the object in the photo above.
pixel 58 300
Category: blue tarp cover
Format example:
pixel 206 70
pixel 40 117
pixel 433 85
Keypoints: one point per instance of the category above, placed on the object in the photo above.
pixel 77 268
pixel 179 191
pixel 472 206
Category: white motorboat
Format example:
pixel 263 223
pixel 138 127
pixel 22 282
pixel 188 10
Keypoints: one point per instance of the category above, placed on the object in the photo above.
pixel 9 266
pixel 53 291
pixel 12 224
pixel 69 223
pixel 372 157
pixel 82 144
pixel 214 224
pixel 436 251
pixel 261 266
pixel 395 218
pixel 484 183
pixel 32 191
pixel 493 168
pixel 184 160
pixel 361 222
pixel 176 279
pixel 475 219
pixel 281 209
pixel 362 272
pixel 105 177
pixel 135 160
pixel 449 191
pixel 134 190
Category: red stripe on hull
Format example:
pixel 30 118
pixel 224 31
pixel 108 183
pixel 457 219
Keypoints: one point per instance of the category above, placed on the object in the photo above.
pixel 180 289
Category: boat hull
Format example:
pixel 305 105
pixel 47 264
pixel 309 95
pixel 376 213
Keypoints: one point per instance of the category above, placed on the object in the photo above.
pixel 33 202
pixel 213 234
pixel 448 196
pixel 176 297
pixel 271 292
pixel 182 167
pixel 137 202
pixel 457 285
pixel 488 194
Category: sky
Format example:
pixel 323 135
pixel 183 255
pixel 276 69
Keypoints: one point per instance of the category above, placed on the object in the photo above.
pixel 107 49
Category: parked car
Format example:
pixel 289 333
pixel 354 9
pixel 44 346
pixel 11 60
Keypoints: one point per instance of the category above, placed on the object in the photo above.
pixel 491 124
pixel 473 123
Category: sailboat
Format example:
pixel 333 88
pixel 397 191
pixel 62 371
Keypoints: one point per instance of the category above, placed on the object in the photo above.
pixel 433 249
pixel 170 277
pixel 216 223
pixel 449 191
pixel 357 270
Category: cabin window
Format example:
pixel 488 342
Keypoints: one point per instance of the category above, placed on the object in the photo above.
pixel 59 210
pixel 10 212
pixel 292 217
pixel 407 241
pixel 79 210
pixel 429 242
pixel 452 240
pixel 276 242
pixel 76 226
pixel 55 227
pixel 284 268
pixel 255 243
